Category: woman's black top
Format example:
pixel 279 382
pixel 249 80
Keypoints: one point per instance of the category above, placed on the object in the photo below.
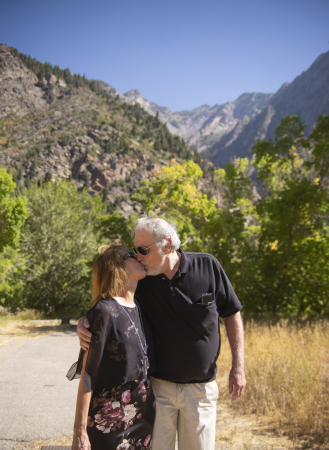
pixel 115 355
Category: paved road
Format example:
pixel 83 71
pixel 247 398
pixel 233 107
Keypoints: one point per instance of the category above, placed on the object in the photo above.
pixel 36 399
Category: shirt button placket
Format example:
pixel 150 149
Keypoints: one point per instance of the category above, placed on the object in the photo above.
pixel 172 289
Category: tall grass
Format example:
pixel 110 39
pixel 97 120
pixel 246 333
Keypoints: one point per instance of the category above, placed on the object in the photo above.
pixel 287 368
pixel 26 314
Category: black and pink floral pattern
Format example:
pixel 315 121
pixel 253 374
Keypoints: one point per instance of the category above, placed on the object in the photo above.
pixel 122 417
pixel 132 444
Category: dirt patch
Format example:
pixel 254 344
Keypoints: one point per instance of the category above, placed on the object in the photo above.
pixel 36 445
pixel 249 432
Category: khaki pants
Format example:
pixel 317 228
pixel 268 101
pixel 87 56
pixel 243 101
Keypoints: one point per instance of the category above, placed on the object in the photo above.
pixel 188 410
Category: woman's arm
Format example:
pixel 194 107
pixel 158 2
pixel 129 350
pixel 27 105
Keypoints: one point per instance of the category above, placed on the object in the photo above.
pixel 80 437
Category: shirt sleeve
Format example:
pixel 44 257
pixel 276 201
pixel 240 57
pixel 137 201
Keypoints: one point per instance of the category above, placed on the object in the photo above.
pixel 100 319
pixel 227 300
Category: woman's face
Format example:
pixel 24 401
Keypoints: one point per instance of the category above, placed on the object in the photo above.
pixel 135 269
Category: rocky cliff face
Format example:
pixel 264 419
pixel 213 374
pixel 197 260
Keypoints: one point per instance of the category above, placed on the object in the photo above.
pixel 227 131
pixel 19 92
pixel 51 131
pixel 307 97
pixel 202 127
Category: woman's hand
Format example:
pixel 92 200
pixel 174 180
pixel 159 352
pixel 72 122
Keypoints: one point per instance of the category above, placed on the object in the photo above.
pixel 83 334
pixel 81 441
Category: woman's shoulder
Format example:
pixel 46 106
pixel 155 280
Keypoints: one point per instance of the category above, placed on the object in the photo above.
pixel 104 306
pixel 101 315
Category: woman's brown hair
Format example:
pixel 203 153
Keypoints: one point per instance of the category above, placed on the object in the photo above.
pixel 109 273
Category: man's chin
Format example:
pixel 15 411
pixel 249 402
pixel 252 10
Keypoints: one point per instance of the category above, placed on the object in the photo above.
pixel 150 272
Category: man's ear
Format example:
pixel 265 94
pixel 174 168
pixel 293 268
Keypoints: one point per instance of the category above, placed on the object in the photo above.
pixel 167 246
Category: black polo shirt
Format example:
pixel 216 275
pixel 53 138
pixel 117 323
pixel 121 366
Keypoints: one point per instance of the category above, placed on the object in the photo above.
pixel 186 333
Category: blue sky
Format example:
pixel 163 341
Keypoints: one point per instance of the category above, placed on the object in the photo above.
pixel 181 53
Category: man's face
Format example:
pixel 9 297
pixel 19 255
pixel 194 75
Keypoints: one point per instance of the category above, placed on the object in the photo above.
pixel 154 262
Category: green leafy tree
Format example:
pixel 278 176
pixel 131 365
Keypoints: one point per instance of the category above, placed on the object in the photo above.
pixel 293 213
pixel 207 226
pixel 86 183
pixel 312 272
pixel 59 244
pixel 11 269
pixel 114 228
pixel 13 211
pixel 173 191
pixel 234 228
pixel 319 141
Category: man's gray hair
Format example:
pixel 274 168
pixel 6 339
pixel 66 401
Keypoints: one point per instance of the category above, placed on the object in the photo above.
pixel 159 229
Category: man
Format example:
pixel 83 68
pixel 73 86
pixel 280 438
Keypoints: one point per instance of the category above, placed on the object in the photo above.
pixel 183 298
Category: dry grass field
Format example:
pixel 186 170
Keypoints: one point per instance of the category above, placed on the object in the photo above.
pixel 287 367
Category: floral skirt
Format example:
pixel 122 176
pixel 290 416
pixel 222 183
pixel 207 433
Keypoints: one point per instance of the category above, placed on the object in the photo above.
pixel 122 417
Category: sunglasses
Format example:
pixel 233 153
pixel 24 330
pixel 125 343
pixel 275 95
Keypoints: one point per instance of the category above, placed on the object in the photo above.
pixel 143 250
pixel 128 255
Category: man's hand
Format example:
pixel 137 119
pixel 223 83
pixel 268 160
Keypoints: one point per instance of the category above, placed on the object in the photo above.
pixel 236 383
pixel 83 334
pixel 237 378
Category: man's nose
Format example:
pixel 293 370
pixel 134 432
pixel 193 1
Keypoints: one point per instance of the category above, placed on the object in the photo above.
pixel 139 257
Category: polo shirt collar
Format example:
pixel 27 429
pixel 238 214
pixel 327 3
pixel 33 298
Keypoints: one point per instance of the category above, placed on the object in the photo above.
pixel 185 264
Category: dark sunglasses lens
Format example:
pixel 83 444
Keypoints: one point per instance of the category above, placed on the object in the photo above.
pixel 128 255
pixel 141 250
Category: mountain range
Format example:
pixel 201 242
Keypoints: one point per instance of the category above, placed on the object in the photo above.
pixel 224 132
pixel 53 128
pixel 55 125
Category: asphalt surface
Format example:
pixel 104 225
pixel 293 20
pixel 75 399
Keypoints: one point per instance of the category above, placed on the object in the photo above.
pixel 36 399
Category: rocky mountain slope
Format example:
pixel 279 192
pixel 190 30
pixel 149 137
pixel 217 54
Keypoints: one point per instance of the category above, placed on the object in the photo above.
pixel 204 126
pixel 52 130
pixel 226 131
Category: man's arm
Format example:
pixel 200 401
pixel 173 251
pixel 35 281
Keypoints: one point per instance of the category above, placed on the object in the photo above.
pixel 83 334
pixel 237 378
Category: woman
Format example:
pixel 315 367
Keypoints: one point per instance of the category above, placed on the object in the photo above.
pixel 115 404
